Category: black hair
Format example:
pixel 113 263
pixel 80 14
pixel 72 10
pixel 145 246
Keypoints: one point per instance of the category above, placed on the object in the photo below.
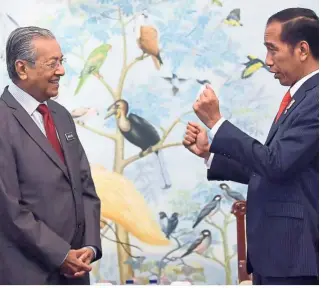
pixel 299 24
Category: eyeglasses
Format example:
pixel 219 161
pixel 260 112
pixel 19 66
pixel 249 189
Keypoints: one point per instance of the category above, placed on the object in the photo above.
pixel 52 64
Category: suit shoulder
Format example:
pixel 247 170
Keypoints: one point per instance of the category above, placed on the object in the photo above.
pixel 4 109
pixel 58 107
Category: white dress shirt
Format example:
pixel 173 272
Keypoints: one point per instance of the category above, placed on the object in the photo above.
pixel 30 104
pixel 218 124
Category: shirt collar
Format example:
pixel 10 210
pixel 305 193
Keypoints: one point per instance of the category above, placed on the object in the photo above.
pixel 29 103
pixel 298 84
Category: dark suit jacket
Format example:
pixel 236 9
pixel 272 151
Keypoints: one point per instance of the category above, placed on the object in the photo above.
pixel 46 207
pixel 283 186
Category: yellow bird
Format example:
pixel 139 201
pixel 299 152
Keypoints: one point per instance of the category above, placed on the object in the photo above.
pixel 233 18
pixel 252 66
pixel 217 2
pixel 123 204
pixel 148 42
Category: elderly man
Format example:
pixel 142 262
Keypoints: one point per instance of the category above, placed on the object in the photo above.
pixel 49 210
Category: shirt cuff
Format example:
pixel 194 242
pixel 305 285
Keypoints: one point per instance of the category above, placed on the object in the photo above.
pixel 94 249
pixel 208 162
pixel 65 258
pixel 215 128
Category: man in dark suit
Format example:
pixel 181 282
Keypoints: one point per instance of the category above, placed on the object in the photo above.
pixel 283 174
pixel 49 210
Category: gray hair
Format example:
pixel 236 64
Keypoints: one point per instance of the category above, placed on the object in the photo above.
pixel 19 46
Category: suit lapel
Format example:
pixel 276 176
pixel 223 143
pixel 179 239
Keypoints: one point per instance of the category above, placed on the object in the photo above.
pixel 33 130
pixel 60 124
pixel 296 99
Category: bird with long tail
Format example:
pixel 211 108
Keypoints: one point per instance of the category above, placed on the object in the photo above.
pixel 210 208
pixel 139 132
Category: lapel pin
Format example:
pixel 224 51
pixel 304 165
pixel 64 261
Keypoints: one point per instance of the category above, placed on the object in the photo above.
pixel 69 136
pixel 289 106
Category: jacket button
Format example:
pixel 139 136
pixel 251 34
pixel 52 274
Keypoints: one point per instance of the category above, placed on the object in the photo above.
pixel 78 225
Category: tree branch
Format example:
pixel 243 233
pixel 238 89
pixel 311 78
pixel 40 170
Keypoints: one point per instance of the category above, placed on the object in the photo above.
pixel 169 130
pixel 155 148
pixel 98 132
pixel 223 213
pixel 232 255
pixel 213 258
pixel 111 91
pixel 214 225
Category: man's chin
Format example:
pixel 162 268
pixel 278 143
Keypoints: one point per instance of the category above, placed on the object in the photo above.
pixel 53 94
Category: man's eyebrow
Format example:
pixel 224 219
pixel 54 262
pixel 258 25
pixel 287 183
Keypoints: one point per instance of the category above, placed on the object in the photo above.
pixel 56 58
pixel 269 44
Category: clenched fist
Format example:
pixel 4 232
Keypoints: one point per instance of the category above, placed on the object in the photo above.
pixel 196 140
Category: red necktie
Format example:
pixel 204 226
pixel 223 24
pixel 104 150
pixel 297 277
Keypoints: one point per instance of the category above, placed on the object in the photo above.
pixel 51 130
pixel 285 102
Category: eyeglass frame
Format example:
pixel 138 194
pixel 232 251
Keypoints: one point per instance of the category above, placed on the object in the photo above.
pixel 52 66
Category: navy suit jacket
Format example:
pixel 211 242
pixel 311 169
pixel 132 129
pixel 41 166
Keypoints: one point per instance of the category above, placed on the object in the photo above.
pixel 282 221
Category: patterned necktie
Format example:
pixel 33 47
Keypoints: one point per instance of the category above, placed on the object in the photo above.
pixel 51 130
pixel 285 102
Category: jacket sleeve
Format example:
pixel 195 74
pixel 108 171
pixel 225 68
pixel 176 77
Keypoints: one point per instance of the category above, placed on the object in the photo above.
pixel 91 203
pixel 225 169
pixel 292 152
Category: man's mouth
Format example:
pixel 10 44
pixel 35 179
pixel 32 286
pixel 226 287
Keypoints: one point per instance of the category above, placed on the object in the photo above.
pixel 55 82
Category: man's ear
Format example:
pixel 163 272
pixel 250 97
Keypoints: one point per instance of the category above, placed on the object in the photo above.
pixel 304 50
pixel 21 69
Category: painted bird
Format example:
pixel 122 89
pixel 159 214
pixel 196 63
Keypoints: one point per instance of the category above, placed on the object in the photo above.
pixel 252 66
pixel 139 132
pixel 232 195
pixel 203 82
pixel 233 18
pixel 93 63
pixel 163 221
pixel 175 82
pixel 201 244
pixel 147 39
pixel 217 2
pixel 172 224
pixel 211 207
pixel 82 113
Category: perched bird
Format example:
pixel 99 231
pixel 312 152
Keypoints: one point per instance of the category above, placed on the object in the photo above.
pixel 233 18
pixel 210 207
pixel 175 81
pixel 83 112
pixel 203 82
pixel 201 244
pixel 232 195
pixel 93 63
pixel 139 132
pixel 147 39
pixel 253 65
pixel 163 221
pixel 217 2
pixel 172 224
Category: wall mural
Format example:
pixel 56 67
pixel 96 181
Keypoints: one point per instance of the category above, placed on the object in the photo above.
pixel 133 70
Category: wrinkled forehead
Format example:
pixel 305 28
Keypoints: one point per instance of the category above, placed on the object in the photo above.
pixel 46 49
